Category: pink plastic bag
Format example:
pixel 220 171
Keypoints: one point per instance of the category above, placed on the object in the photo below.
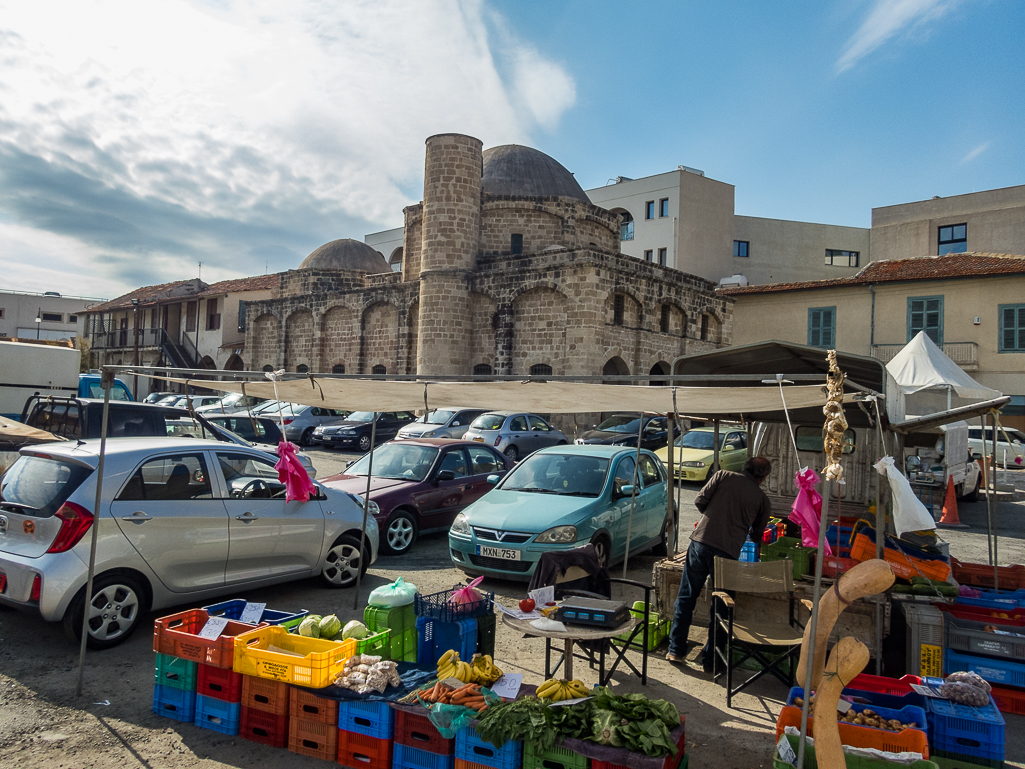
pixel 291 473
pixel 466 598
pixel 807 508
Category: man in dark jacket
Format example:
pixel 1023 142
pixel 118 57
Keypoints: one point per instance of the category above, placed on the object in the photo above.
pixel 732 506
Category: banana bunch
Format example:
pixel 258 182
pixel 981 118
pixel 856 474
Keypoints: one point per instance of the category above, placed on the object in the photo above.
pixel 450 666
pixel 485 672
pixel 557 691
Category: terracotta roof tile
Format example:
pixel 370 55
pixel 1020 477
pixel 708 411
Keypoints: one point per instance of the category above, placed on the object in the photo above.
pixel 186 290
pixel 255 283
pixel 967 265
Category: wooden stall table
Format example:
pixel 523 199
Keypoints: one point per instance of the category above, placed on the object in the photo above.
pixel 575 633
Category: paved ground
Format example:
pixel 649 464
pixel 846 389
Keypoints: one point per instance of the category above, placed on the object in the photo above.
pixel 43 724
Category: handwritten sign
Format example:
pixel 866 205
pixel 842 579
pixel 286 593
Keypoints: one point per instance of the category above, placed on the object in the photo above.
pixel 543 595
pixel 573 701
pixel 508 686
pixel 928 691
pixel 516 613
pixel 252 613
pixel 786 752
pixel 213 628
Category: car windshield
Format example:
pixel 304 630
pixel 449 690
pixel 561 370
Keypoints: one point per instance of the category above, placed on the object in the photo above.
pixel 699 439
pixel 570 475
pixel 397 460
pixel 436 417
pixel 361 416
pixel 619 424
pixel 287 409
pixel 187 428
pixel 230 400
pixel 488 422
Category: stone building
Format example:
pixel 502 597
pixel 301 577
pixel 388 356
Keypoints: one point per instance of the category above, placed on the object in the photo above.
pixel 506 268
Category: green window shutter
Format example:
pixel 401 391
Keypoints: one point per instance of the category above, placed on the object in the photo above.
pixel 926 314
pixel 814 328
pixel 828 327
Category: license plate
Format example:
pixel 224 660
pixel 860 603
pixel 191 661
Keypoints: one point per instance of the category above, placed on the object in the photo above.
pixel 479 440
pixel 499 552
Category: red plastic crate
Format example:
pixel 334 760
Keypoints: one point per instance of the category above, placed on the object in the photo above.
pixel 178 635
pixel 833 565
pixel 415 730
pixel 313 738
pixel 219 683
pixel 311 707
pixel 263 727
pixel 266 695
pixel 1009 700
pixel 908 740
pixel 1009 617
pixel 981 575
pixel 358 751
pixel 669 762
pixel 884 685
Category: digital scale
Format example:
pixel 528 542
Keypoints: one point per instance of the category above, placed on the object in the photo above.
pixel 592 611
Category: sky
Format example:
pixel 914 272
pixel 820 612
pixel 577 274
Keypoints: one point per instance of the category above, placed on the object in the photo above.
pixel 138 139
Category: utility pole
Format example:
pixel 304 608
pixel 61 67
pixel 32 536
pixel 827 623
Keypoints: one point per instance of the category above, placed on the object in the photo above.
pixel 135 357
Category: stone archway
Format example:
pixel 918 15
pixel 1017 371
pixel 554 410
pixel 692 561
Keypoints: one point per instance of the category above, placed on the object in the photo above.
pixel 660 368
pixel 615 366
pixel 235 363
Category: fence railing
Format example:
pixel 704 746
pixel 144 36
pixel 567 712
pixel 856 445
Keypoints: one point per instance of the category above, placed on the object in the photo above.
pixel 964 354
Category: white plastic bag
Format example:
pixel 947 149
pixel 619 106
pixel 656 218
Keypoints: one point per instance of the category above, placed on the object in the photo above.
pixel 909 514
pixel 398 593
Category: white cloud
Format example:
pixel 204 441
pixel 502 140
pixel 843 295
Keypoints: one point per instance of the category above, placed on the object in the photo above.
pixel 888 19
pixel 976 152
pixel 260 123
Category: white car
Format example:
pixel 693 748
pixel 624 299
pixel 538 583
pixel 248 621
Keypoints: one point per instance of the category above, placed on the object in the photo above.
pixel 182 520
pixel 1012 453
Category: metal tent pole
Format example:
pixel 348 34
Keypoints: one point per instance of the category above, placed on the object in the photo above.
pixel 715 447
pixel 993 517
pixel 366 508
pixel 633 494
pixel 670 513
pixel 676 512
pixel 991 486
pixel 106 382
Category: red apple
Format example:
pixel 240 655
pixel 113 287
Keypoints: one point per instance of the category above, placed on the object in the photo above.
pixel 527 604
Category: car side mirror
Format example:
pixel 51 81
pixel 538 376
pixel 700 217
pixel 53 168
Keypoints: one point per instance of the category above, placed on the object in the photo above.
pixel 728 448
pixel 446 475
pixel 494 479
pixel 350 463
pixel 624 491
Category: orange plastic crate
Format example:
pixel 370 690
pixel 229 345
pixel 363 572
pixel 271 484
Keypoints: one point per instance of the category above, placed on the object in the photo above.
pixel 313 738
pixel 1009 700
pixel 862 736
pixel 178 635
pixel 358 751
pixel 903 565
pixel 266 695
pixel 310 707
pixel 981 575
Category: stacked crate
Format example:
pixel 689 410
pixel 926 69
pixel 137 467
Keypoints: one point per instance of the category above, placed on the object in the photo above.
pixel 312 726
pixel 174 690
pixel 265 711
pixel 401 621
pixel 218 699
pixel 473 752
pixel 965 734
pixel 366 731
pixel 924 645
pixel 418 743
pixel 442 625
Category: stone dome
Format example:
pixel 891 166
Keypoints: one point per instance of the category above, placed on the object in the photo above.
pixel 346 254
pixel 527 172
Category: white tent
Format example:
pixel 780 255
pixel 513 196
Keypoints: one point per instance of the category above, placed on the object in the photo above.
pixel 921 366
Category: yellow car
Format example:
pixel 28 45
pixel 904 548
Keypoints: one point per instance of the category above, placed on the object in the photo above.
pixel 693 454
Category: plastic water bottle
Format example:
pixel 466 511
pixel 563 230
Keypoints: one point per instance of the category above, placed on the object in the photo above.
pixel 748 554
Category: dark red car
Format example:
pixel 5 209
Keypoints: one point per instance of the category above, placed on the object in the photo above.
pixel 421 484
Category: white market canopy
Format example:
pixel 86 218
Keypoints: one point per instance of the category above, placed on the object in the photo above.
pixel 922 365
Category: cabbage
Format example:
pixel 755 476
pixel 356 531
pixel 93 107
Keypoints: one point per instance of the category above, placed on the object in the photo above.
pixel 355 629
pixel 310 627
pixel 329 626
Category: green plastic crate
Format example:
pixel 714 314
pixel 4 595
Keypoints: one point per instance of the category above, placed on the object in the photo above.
pixel 176 672
pixel 954 763
pixel 398 620
pixel 486 634
pixel 378 644
pixel 554 758
pixel 658 631
pixel 790 548
pixel 409 645
pixel 853 762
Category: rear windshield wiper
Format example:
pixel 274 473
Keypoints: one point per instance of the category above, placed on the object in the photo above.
pixel 5 503
pixel 537 491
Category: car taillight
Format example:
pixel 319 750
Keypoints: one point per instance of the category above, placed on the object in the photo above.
pixel 498 440
pixel 288 420
pixel 75 522
pixel 37 588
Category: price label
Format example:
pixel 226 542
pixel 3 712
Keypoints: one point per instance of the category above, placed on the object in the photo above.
pixel 573 701
pixel 543 595
pixel 454 682
pixel 842 706
pixel 252 613
pixel 213 628
pixel 508 686
pixel 786 752
pixel 928 691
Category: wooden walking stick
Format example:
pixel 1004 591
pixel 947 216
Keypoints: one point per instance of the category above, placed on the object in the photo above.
pixel 848 658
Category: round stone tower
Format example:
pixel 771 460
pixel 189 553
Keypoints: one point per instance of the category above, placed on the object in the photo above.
pixel 451 237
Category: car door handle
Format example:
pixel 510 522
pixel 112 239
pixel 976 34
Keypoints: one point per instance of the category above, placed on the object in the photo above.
pixel 468 487
pixel 138 517
pixel 247 517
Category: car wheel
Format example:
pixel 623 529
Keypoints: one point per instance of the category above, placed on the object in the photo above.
pixel 343 563
pixel 400 533
pixel 307 437
pixel 974 496
pixel 602 548
pixel 512 452
pixel 364 443
pixel 118 602
pixel 662 548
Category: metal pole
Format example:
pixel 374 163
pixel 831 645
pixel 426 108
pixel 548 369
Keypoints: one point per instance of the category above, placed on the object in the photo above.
pixel 676 512
pixel 106 380
pixel 816 595
pixel 670 512
pixel 715 447
pixel 879 549
pixel 633 494
pixel 991 487
pixel 993 517
pixel 366 508
pixel 135 357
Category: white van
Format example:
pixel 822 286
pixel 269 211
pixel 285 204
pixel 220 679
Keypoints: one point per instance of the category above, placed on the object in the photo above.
pixel 1012 453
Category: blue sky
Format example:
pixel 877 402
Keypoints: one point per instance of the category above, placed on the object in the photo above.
pixel 137 139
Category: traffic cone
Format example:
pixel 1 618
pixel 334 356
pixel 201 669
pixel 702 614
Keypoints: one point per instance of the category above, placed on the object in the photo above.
pixel 950 519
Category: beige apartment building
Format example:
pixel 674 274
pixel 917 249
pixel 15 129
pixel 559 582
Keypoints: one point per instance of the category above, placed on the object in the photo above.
pixel 971 304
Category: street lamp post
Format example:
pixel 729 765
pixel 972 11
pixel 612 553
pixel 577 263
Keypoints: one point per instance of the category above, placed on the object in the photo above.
pixel 39 320
pixel 135 357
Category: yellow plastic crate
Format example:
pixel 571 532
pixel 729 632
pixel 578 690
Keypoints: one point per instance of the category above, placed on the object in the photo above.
pixel 320 663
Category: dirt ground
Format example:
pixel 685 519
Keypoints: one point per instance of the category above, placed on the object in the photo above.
pixel 43 723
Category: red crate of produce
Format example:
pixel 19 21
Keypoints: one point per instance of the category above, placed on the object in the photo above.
pixel 178 635
pixel 266 695
pixel 913 740
pixel 263 727
pixel 884 685
pixel 834 565
pixel 981 575
pixel 311 707
pixel 1009 700
pixel 414 729
pixel 358 751
pixel 1014 618
pixel 220 683
pixel 313 738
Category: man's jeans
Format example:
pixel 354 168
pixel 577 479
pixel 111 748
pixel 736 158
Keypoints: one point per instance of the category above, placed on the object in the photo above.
pixel 699 564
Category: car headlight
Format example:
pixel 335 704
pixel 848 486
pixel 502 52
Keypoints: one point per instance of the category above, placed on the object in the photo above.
pixel 579 441
pixel 347 432
pixel 692 464
pixel 372 508
pixel 460 527
pixel 557 536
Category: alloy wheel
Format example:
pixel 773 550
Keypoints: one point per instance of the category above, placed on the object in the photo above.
pixel 112 612
pixel 342 564
pixel 364 443
pixel 399 535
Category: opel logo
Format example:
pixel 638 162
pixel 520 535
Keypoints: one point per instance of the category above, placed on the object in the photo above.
pixel 3 525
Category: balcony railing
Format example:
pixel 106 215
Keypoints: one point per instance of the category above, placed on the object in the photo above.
pixel 124 338
pixel 964 354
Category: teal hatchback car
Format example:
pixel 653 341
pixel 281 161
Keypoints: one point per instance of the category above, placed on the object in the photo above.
pixel 560 498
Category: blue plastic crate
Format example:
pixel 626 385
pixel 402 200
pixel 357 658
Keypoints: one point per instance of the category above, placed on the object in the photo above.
pixel 906 715
pixel 470 747
pixel 406 757
pixel 996 599
pixel 179 704
pixel 437 606
pixel 221 716
pixel 951 721
pixel 435 637
pixel 996 671
pixel 969 749
pixel 233 610
pixel 748 553
pixel 370 718
pixel 891 701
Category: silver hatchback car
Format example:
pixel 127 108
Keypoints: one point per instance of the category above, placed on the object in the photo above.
pixel 513 433
pixel 447 422
pixel 300 420
pixel 181 520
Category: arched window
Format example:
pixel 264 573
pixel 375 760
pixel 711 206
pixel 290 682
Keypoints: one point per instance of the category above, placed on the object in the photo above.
pixel 482 369
pixel 338 368
pixel 540 369
pixel 268 367
pixel 379 370
pixel 626 225
pixel 395 261
pixel 618 307
pixel 704 328
pixel 302 368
